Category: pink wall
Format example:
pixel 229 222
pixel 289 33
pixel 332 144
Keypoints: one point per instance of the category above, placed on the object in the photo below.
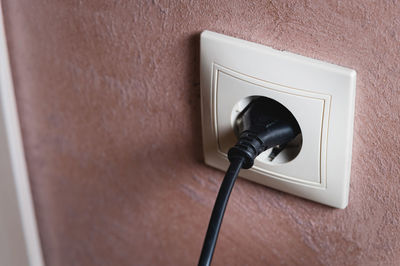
pixel 108 94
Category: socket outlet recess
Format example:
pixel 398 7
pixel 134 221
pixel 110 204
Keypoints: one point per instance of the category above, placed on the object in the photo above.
pixel 316 165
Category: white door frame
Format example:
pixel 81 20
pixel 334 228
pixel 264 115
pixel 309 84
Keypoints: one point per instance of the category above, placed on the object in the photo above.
pixel 19 238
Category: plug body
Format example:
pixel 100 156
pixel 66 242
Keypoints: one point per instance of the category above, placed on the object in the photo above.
pixel 263 124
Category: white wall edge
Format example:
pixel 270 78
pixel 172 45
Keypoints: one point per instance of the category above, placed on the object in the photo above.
pixel 17 163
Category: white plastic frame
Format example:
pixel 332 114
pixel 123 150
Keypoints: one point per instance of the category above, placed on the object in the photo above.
pixel 265 70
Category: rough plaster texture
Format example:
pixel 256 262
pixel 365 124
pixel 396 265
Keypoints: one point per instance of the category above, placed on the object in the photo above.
pixel 108 94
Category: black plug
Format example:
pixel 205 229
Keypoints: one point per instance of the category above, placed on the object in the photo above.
pixel 263 124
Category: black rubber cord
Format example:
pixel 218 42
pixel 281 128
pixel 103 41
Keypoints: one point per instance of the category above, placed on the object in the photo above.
pixel 219 210
pixel 264 124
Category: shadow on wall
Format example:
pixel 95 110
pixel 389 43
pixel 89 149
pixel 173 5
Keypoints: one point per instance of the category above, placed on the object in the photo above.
pixel 193 75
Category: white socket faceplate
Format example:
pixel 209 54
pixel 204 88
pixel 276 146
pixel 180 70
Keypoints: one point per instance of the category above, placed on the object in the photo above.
pixel 320 96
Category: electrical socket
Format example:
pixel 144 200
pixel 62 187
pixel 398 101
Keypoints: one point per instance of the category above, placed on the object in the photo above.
pixel 320 95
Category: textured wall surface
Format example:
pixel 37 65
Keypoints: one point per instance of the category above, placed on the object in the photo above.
pixel 108 95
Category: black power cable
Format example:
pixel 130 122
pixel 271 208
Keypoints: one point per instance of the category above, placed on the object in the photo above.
pixel 219 210
pixel 264 124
